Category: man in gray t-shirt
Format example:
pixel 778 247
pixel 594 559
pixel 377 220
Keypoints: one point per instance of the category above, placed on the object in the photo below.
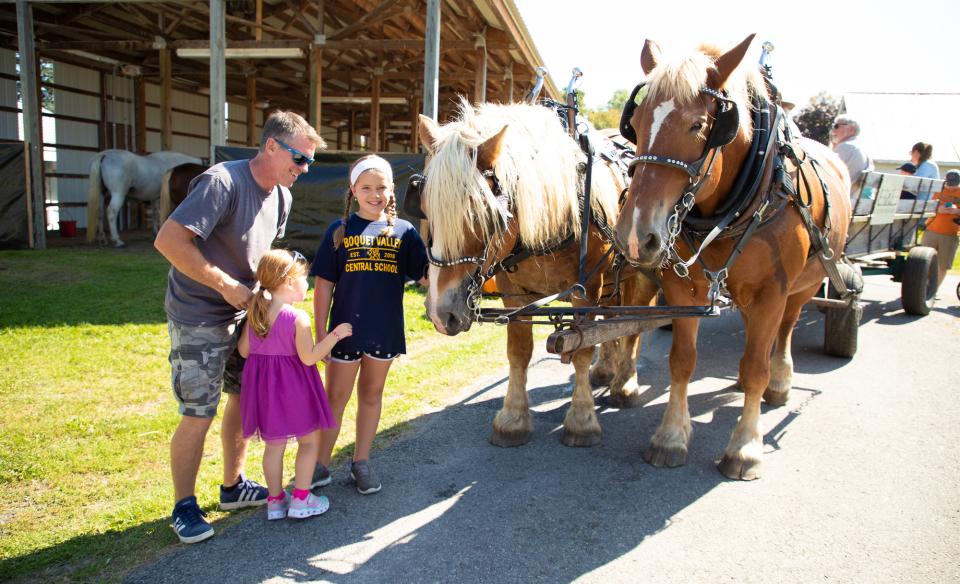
pixel 844 136
pixel 214 239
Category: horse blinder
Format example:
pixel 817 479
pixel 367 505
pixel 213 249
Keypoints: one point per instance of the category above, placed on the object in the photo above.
pixel 726 121
pixel 626 130
pixel 414 194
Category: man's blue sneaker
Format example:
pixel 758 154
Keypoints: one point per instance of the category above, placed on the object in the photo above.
pixel 245 493
pixel 189 522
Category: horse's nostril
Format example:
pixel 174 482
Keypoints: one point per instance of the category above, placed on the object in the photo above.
pixel 452 324
pixel 652 243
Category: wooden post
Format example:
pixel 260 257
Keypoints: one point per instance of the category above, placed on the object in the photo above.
pixel 258 30
pixel 102 126
pixel 415 126
pixel 508 79
pixel 252 138
pixel 251 110
pixel 166 99
pixel 352 130
pixel 315 65
pixel 32 126
pixel 218 76
pixel 375 112
pixel 480 81
pixel 140 113
pixel 431 60
pixel 339 137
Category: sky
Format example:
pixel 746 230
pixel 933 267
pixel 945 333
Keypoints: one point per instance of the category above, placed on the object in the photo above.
pixel 836 46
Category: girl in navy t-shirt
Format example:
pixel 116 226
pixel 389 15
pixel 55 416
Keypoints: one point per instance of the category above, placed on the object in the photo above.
pixel 361 267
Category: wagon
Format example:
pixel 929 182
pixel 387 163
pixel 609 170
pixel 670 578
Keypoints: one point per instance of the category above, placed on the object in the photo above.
pixel 883 235
pixel 888 210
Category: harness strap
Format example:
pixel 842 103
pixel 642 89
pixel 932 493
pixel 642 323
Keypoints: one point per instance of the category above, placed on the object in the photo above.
pixel 682 268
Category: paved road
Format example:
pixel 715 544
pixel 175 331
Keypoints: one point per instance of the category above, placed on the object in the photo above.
pixel 861 480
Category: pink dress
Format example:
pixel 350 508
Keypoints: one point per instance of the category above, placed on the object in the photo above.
pixel 280 397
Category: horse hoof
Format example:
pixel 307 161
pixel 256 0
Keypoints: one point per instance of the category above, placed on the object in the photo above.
pixel 600 377
pixel 665 456
pixel 776 398
pixel 739 469
pixel 624 400
pixel 509 439
pixel 582 439
pixel 119 245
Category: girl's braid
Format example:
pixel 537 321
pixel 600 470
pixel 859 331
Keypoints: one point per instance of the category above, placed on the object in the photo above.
pixel 338 234
pixel 391 215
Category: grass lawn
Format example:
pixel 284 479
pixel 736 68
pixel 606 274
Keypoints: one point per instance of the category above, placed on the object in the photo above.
pixel 88 411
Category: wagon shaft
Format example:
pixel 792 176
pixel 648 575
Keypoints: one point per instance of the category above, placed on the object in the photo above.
pixel 568 341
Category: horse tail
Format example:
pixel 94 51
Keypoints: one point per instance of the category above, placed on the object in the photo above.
pixel 93 198
pixel 166 205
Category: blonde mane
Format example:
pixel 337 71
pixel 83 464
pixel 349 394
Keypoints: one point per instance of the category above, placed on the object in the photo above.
pixel 681 79
pixel 537 169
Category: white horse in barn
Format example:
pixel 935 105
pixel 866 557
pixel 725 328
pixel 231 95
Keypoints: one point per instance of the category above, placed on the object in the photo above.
pixel 125 174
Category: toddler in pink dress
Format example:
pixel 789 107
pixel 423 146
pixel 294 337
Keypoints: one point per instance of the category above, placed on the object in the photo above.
pixel 281 395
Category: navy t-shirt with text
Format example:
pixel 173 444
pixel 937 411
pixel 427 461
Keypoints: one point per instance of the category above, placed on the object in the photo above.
pixel 369 271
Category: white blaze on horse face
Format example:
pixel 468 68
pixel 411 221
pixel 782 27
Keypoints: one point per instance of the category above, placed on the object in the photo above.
pixel 633 243
pixel 660 114
pixel 433 274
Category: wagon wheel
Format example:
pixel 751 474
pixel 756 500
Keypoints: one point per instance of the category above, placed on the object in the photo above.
pixel 919 281
pixel 841 325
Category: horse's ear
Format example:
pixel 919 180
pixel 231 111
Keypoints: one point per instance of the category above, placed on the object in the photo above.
pixel 489 151
pixel 429 131
pixel 649 56
pixel 727 62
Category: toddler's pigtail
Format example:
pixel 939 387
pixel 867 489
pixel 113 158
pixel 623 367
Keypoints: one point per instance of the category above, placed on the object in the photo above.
pixel 258 314
pixel 338 234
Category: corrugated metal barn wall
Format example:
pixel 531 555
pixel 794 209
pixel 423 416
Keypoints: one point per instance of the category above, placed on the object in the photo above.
pixel 101 115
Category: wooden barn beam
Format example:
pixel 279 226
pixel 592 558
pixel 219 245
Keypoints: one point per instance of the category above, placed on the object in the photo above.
pixel 480 83
pixel 415 125
pixel 431 60
pixel 251 110
pixel 375 112
pixel 316 86
pixel 340 45
pixel 315 65
pixel 218 76
pixel 32 127
pixel 365 20
pixel 140 113
pixel 352 131
pixel 258 25
pixel 166 100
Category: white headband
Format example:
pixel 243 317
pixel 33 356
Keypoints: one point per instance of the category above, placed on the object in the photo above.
pixel 372 163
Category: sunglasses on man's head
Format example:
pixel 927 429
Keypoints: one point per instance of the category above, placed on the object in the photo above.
pixel 299 158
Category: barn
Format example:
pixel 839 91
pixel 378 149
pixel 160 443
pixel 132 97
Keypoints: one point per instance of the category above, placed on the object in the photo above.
pixel 199 77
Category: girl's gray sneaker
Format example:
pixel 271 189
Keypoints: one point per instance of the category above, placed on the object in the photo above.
pixel 321 476
pixel 366 480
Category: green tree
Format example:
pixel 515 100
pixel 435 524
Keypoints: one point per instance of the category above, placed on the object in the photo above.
pixel 609 116
pixel 618 99
pixel 816 118
pixel 46 77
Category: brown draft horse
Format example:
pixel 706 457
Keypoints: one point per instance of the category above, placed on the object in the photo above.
pixel 503 174
pixel 687 103
pixel 175 186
